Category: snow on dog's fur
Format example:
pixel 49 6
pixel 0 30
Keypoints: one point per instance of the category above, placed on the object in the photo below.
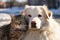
pixel 42 26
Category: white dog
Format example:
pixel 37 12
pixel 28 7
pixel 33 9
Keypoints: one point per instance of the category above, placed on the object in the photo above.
pixel 41 24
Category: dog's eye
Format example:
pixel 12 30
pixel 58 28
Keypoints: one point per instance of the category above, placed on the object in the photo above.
pixel 39 15
pixel 29 15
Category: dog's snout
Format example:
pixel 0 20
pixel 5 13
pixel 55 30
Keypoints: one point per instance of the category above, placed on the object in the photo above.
pixel 33 24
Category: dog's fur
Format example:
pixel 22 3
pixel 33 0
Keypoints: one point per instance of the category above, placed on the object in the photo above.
pixel 46 27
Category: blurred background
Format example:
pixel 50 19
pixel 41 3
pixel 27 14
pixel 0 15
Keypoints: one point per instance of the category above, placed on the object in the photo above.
pixel 18 3
pixel 15 6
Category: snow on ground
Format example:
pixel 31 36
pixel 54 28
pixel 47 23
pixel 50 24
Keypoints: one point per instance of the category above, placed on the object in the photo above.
pixel 5 19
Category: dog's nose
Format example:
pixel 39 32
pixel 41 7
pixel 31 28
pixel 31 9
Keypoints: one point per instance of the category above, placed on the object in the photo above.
pixel 33 24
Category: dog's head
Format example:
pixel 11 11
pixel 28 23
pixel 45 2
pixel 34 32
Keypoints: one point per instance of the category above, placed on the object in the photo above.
pixel 36 16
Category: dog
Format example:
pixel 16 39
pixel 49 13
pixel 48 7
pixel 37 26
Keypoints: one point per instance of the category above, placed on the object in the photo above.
pixel 42 26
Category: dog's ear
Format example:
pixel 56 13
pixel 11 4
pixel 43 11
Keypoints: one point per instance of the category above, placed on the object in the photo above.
pixel 45 7
pixel 50 14
pixel 23 13
pixel 26 6
pixel 47 11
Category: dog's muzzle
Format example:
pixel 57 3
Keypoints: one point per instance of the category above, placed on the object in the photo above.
pixel 33 24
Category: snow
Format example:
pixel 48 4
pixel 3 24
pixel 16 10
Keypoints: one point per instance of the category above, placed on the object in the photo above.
pixel 5 19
